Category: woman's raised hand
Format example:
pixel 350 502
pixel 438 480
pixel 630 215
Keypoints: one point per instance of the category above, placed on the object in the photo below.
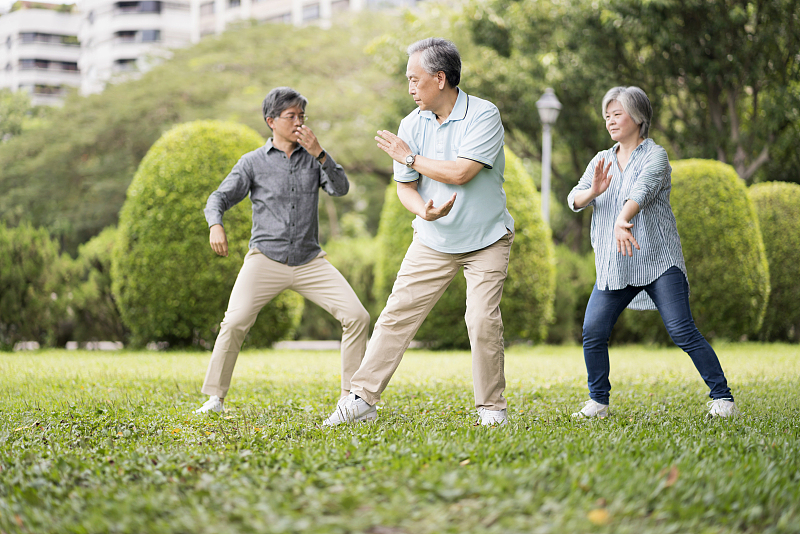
pixel 602 178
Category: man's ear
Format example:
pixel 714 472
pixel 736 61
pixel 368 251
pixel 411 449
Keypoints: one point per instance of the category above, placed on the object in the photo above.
pixel 270 122
pixel 442 79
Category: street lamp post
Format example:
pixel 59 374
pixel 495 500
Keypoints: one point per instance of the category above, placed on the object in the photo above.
pixel 549 106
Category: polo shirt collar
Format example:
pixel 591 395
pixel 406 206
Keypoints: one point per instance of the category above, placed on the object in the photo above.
pixel 459 109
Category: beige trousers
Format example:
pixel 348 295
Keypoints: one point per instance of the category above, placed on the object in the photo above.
pixel 424 276
pixel 259 281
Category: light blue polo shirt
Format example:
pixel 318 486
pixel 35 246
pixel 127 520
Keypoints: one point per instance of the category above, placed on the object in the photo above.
pixel 473 131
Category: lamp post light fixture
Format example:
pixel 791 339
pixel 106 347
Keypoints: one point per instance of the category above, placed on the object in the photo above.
pixel 549 106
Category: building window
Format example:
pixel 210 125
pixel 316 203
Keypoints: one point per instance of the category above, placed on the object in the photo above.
pixel 125 64
pixel 234 3
pixel 286 18
pixel 126 36
pixel 151 36
pixel 44 64
pixel 310 12
pixel 8 42
pixel 8 66
pixel 90 17
pixel 207 9
pixel 150 7
pixel 48 90
pixel 138 7
pixel 47 38
pixel 340 5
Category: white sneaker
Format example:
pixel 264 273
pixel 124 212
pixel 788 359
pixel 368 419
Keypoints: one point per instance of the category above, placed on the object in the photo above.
pixel 213 404
pixel 722 408
pixel 349 409
pixel 492 417
pixel 592 408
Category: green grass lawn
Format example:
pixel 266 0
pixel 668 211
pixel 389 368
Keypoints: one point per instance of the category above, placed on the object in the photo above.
pixel 106 442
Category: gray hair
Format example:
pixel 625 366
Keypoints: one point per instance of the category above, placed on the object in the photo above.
pixel 282 98
pixel 438 54
pixel 635 103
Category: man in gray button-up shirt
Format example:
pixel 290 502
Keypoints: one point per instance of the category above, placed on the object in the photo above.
pixel 283 179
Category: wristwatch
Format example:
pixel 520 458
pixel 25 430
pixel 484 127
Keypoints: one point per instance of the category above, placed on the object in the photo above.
pixel 321 155
pixel 410 160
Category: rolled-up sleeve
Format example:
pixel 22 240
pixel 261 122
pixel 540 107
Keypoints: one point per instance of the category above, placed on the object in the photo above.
pixel 654 177
pixel 583 184
pixel 483 139
pixel 233 189
pixel 333 180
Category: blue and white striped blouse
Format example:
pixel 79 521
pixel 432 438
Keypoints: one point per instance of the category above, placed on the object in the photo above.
pixel 647 180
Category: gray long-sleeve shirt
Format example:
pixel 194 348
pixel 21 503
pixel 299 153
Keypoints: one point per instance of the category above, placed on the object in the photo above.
pixel 285 197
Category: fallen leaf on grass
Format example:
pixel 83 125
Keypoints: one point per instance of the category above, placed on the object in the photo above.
pixel 464 462
pixel 672 477
pixel 599 516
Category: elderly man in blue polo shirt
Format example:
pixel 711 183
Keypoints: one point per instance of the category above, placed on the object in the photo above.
pixel 448 165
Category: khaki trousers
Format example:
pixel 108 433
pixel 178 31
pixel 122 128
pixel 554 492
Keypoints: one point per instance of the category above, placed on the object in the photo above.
pixel 259 281
pixel 424 276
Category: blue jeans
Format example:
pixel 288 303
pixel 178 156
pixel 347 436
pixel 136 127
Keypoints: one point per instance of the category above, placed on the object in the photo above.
pixel 670 293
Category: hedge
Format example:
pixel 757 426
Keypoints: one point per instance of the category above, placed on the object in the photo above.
pixel 169 284
pixel 778 208
pixel 575 277
pixel 32 286
pixel 94 313
pixel 724 253
pixel 527 304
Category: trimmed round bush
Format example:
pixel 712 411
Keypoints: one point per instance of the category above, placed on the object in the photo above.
pixel 724 252
pixel 527 304
pixel 778 208
pixel 722 245
pixel 169 284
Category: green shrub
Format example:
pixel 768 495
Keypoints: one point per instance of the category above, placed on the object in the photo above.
pixel 93 312
pixel 527 304
pixel 778 208
pixel 32 296
pixel 169 284
pixel 724 252
pixel 575 277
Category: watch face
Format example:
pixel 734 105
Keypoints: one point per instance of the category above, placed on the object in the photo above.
pixel 409 160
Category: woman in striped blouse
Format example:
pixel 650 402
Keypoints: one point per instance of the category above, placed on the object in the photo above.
pixel 638 253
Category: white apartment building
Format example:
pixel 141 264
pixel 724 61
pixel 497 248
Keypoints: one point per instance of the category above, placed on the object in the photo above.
pixel 39 53
pixel 119 38
pixel 47 51
pixel 213 16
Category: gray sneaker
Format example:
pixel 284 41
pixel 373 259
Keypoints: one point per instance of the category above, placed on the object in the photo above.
pixel 349 409
pixel 592 408
pixel 722 408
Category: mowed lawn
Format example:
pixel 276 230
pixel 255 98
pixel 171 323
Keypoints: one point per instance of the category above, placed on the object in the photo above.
pixel 107 442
